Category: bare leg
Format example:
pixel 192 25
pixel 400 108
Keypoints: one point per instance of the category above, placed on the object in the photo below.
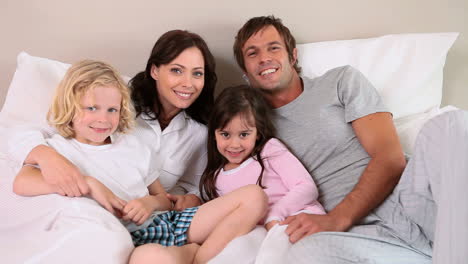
pixel 155 253
pixel 221 220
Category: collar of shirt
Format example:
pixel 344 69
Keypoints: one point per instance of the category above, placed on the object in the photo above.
pixel 177 123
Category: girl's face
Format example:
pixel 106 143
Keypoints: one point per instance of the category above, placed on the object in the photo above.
pixel 181 81
pixel 99 116
pixel 237 140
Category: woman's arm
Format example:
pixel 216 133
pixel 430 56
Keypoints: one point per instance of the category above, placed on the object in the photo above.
pixel 29 182
pixel 27 145
pixel 58 171
pixel 189 183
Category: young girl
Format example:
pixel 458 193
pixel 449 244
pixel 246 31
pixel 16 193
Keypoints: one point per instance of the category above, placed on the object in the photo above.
pixel 91 111
pixel 242 150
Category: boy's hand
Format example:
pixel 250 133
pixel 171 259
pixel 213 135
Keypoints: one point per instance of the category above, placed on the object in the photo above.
pixel 139 210
pixel 105 197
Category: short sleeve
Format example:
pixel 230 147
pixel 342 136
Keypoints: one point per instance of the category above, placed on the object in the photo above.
pixel 357 95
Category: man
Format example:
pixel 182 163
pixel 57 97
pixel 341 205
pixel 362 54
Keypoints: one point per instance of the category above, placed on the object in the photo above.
pixel 337 125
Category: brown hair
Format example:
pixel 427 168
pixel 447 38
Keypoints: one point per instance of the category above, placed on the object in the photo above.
pixel 254 25
pixel 79 78
pixel 144 93
pixel 232 101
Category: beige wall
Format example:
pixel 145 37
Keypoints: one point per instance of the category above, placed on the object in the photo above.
pixel 123 32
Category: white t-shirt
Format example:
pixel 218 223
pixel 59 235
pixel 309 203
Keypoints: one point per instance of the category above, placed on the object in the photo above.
pixel 124 166
pixel 179 150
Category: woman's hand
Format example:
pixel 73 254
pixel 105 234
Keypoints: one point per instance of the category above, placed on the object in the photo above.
pixel 105 197
pixel 139 210
pixel 182 202
pixel 58 171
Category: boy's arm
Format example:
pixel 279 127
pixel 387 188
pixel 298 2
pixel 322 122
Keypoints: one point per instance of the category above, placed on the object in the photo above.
pixel 105 197
pixel 139 210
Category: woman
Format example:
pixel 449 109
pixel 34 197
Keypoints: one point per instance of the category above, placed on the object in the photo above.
pixel 172 98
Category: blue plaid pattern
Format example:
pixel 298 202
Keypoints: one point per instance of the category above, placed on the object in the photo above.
pixel 168 229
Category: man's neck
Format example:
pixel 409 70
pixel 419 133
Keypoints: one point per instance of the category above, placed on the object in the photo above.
pixel 287 95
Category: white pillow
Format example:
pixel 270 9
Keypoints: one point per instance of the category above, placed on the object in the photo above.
pixel 32 89
pixel 406 69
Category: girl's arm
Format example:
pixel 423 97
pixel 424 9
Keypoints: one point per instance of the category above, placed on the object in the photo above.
pixel 140 209
pixel 302 191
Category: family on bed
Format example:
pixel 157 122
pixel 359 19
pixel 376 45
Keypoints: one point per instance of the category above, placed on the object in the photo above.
pixel 191 173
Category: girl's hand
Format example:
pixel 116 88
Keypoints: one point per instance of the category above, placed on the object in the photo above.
pixel 105 197
pixel 270 224
pixel 182 202
pixel 139 210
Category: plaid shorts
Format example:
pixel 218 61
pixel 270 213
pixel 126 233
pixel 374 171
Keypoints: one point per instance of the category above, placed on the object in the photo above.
pixel 168 229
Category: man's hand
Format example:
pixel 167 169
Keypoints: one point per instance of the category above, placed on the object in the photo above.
pixel 182 202
pixel 139 210
pixel 105 197
pixel 58 171
pixel 303 225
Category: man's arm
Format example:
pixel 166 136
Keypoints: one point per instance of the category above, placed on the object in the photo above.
pixel 378 136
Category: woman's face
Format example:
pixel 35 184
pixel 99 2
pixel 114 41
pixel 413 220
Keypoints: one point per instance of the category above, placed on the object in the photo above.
pixel 181 81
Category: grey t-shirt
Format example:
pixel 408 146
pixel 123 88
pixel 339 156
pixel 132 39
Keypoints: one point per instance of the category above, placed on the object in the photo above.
pixel 317 128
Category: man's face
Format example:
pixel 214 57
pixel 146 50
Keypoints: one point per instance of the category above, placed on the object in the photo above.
pixel 267 62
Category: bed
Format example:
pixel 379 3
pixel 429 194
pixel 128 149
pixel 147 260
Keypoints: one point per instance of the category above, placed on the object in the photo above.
pixel 406 69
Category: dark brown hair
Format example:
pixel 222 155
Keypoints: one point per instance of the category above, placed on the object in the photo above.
pixel 256 24
pixel 233 101
pixel 144 93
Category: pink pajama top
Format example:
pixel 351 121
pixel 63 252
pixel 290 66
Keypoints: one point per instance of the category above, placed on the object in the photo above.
pixel 288 185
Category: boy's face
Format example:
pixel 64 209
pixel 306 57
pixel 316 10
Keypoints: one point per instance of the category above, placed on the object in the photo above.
pixel 267 62
pixel 99 116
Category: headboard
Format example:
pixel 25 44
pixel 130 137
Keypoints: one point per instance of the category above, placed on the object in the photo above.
pixel 123 32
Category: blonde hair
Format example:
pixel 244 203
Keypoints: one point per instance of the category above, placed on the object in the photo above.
pixel 81 77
